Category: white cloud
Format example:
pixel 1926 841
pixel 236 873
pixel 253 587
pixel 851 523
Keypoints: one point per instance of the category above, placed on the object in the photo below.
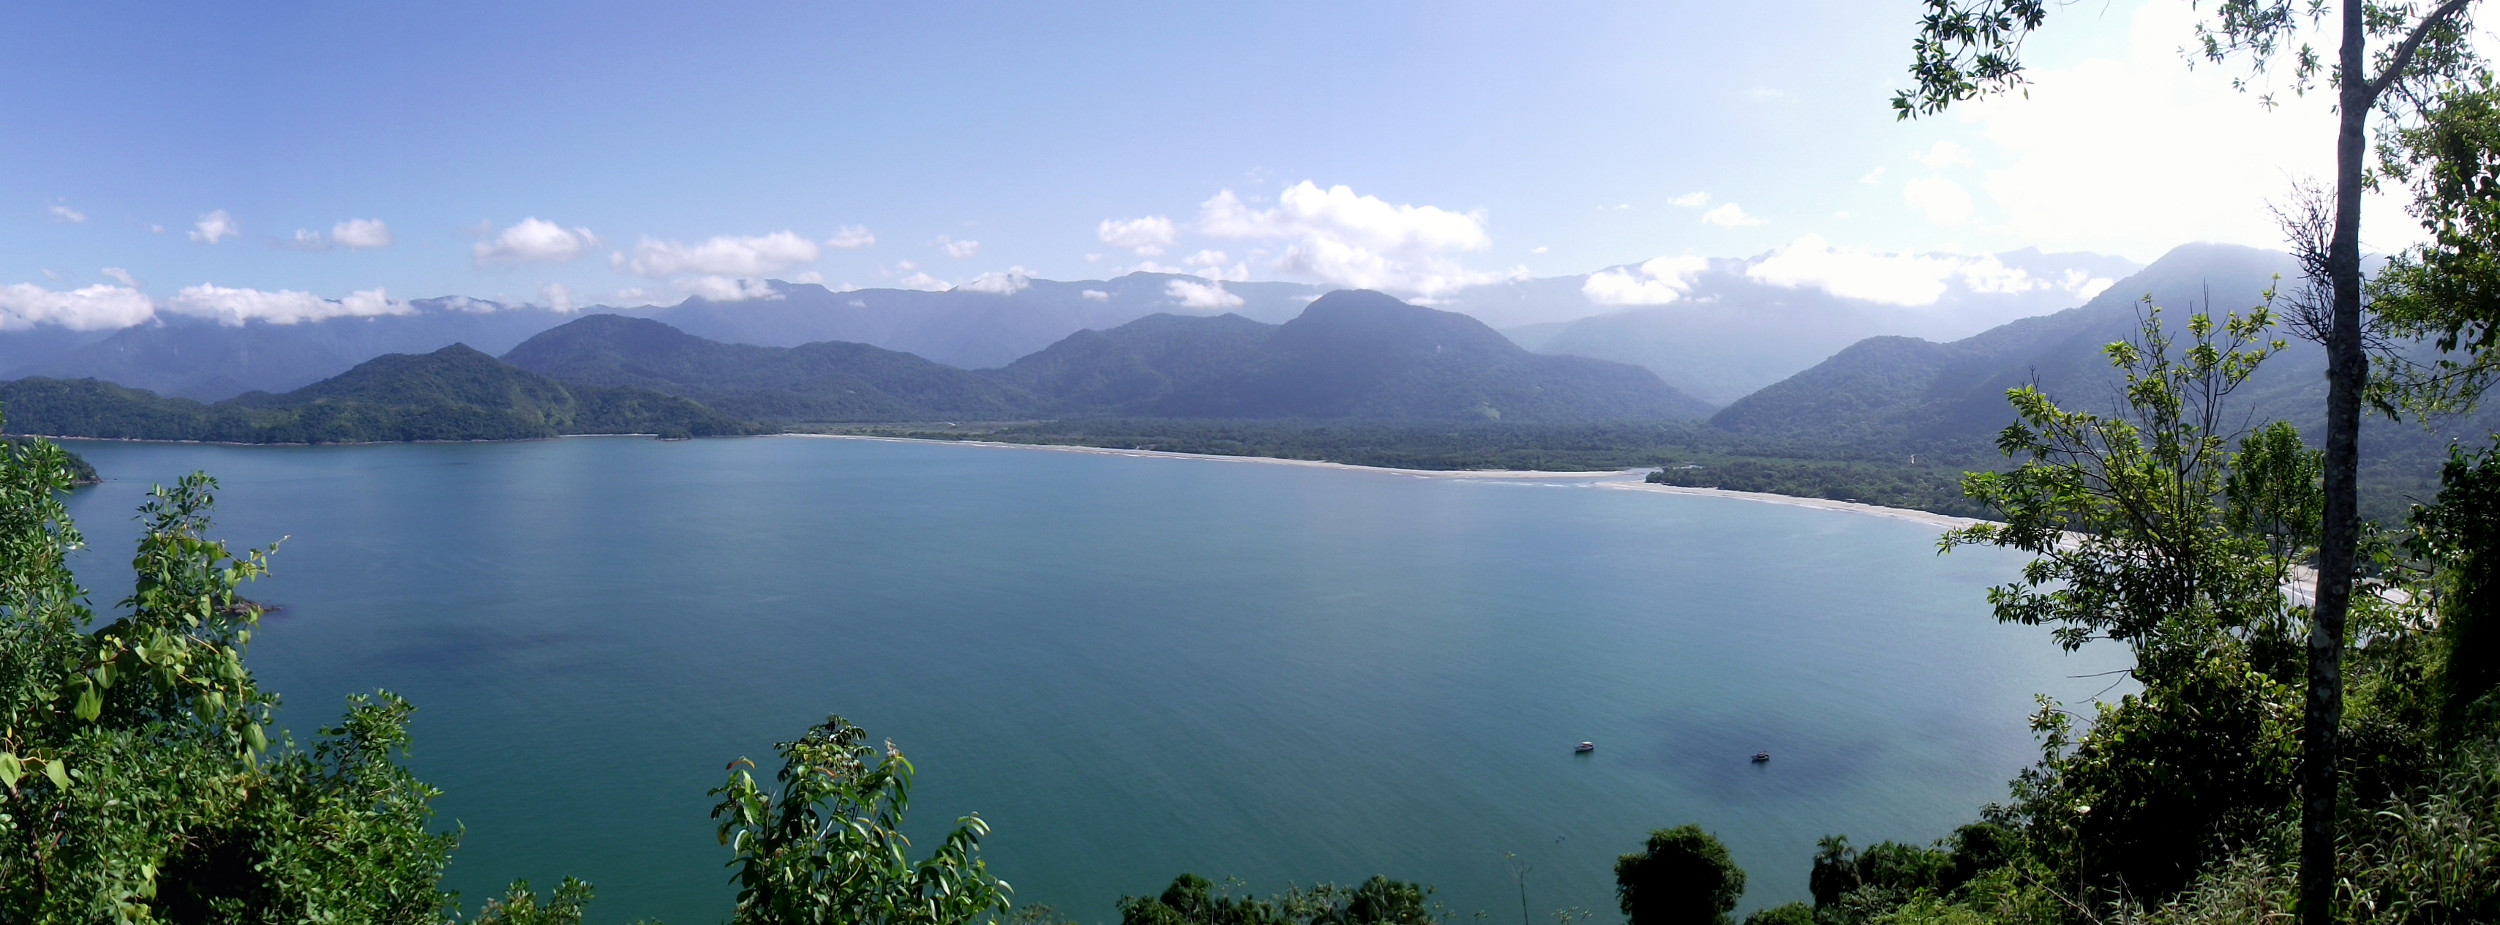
pixel 1347 239
pixel 1539 249
pixel 557 297
pixel 535 240
pixel 2104 154
pixel 1095 295
pixel 361 234
pixel 1729 215
pixel 1896 279
pixel 1146 237
pixel 121 276
pixel 1872 177
pixel 214 227
pixel 1013 281
pixel 851 237
pixel 310 241
pixel 92 308
pixel 2085 285
pixel 1657 282
pixel 1944 201
pixel 726 289
pixel 923 282
pixel 1690 200
pixel 62 213
pixel 1943 154
pixel 810 277
pixel 1208 296
pixel 958 249
pixel 1210 264
pixel 720 256
pixel 233 307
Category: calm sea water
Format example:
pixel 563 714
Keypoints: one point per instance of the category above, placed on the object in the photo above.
pixel 1132 667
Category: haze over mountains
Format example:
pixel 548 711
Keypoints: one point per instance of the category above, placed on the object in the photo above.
pixel 1351 354
pixel 1715 329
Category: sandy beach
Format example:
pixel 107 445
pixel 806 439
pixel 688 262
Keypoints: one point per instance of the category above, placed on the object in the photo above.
pixel 1619 479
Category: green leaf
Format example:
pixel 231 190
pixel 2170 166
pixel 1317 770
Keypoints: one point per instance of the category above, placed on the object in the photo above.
pixel 58 771
pixel 10 770
pixel 90 703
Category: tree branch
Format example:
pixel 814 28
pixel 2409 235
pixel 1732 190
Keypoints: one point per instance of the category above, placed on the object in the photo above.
pixel 2403 56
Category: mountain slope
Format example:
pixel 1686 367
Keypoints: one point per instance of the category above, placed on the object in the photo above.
pixel 208 360
pixel 1903 389
pixel 971 327
pixel 810 382
pixel 1724 328
pixel 455 393
pixel 1350 355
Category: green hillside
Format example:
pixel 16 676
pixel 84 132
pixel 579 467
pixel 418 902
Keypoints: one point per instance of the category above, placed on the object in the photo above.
pixel 1351 355
pixel 455 393
pixel 830 381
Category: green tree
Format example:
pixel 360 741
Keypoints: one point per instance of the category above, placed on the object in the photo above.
pixel 828 846
pixel 2148 530
pixel 1789 914
pixel 2145 528
pixel 1192 900
pixel 1682 876
pixel 141 783
pixel 1969 48
pixel 2462 532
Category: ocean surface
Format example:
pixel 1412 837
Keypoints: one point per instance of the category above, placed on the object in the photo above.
pixel 1131 667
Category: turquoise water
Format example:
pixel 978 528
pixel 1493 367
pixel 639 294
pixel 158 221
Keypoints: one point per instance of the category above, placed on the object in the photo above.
pixel 1132 667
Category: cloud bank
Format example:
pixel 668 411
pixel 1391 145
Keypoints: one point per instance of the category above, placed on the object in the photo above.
pixel 534 241
pixel 1345 239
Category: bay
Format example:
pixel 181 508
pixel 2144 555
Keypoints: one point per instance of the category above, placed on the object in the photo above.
pixel 1130 666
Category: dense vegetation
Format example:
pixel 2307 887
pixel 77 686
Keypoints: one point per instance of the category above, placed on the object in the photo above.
pixel 1351 355
pixel 827 381
pixel 81 472
pixel 451 394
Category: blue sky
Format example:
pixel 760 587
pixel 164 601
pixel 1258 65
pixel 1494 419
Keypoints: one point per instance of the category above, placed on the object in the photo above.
pixel 672 148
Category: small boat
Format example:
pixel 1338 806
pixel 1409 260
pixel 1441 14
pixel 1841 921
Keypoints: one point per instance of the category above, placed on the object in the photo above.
pixel 1761 757
pixel 1584 748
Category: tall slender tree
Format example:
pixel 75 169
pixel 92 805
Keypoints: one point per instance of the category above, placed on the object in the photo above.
pixel 2391 57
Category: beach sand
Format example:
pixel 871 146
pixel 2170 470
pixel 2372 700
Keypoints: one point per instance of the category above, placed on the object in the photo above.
pixel 1620 479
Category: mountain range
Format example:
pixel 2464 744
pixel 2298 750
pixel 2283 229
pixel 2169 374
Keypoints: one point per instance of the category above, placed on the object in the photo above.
pixel 455 393
pixel 1348 355
pixel 1715 329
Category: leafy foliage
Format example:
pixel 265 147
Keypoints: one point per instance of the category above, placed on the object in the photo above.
pixel 2463 530
pixel 828 846
pixel 1681 876
pixel 1192 900
pixel 2126 515
pixel 141 781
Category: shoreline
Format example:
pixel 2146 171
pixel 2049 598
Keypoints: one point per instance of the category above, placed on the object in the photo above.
pixel 1615 479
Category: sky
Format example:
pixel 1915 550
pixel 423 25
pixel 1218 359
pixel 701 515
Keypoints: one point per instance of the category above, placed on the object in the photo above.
pixel 277 160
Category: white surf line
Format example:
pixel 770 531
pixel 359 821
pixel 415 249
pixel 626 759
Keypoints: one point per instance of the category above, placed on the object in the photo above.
pixel 1622 479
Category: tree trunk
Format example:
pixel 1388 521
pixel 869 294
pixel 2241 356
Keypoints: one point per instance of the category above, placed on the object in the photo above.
pixel 2347 370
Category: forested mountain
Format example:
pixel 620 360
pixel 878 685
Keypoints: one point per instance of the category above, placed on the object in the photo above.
pixel 1735 326
pixel 830 381
pixel 455 393
pixel 208 360
pixel 1717 329
pixel 1910 390
pixel 987 324
pixel 1352 354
